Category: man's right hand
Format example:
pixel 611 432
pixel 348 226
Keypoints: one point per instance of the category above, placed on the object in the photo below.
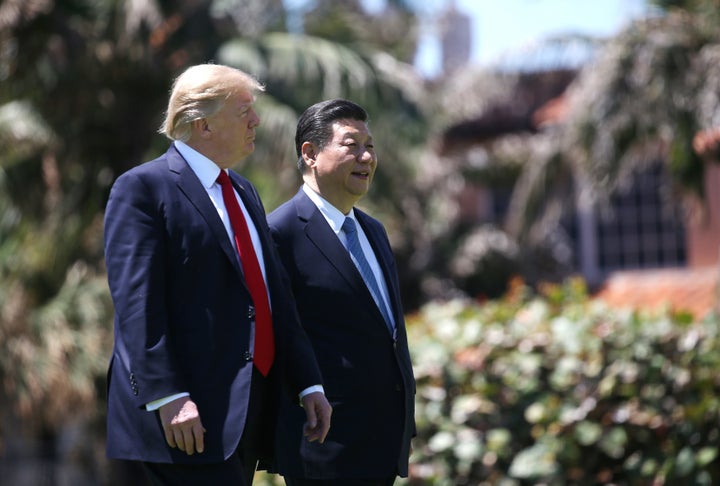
pixel 318 412
pixel 183 429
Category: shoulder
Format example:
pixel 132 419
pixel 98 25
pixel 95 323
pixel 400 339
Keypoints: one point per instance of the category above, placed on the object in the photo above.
pixel 374 229
pixel 282 213
pixel 248 189
pixel 368 221
pixel 283 223
pixel 147 172
pixel 150 185
pixel 244 183
pixel 297 208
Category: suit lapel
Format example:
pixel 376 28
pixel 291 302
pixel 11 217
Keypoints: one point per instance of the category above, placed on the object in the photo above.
pixel 257 215
pixel 190 186
pixel 326 241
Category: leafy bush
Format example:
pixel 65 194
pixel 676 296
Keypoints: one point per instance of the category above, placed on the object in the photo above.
pixel 556 388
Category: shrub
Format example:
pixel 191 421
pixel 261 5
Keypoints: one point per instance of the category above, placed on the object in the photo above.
pixel 556 388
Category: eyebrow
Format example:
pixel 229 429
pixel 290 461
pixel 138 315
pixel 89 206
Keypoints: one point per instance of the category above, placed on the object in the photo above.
pixel 355 133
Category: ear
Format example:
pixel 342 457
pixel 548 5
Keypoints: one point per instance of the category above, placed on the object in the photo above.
pixel 201 127
pixel 308 150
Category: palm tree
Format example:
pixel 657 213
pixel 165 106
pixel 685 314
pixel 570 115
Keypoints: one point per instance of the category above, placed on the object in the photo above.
pixel 84 87
pixel 651 89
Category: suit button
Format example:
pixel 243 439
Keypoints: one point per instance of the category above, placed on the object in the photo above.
pixel 247 356
pixel 398 388
pixel 251 312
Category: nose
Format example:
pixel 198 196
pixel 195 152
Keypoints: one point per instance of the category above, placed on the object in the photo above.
pixel 366 156
pixel 254 118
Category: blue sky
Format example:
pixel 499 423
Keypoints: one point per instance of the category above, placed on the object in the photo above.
pixel 501 27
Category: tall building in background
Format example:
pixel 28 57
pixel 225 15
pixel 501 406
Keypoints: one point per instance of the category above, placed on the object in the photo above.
pixel 455 37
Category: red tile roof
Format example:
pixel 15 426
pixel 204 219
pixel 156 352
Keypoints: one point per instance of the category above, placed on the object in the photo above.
pixel 551 113
pixel 693 290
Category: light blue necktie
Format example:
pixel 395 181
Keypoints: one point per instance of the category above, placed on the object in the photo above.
pixel 353 244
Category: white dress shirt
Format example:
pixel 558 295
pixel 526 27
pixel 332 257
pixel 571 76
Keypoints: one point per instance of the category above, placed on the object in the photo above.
pixel 207 171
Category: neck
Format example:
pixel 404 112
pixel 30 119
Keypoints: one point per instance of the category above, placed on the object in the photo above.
pixel 342 204
pixel 208 151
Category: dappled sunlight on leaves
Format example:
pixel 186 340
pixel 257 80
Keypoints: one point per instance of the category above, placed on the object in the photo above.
pixel 49 369
pixel 556 388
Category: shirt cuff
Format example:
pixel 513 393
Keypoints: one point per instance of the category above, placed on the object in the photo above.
pixel 155 404
pixel 312 389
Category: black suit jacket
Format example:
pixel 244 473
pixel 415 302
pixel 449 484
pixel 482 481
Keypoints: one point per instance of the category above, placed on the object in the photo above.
pixel 368 376
pixel 183 315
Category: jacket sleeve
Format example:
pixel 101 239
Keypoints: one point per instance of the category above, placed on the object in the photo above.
pixel 135 253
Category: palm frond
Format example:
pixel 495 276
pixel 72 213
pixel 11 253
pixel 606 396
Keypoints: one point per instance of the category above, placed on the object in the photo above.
pixel 647 93
pixel 301 60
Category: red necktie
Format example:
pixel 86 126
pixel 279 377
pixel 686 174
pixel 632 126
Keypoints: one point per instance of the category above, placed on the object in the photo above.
pixel 264 340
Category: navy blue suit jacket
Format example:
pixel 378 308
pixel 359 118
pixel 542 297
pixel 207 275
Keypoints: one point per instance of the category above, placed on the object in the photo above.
pixel 368 376
pixel 183 315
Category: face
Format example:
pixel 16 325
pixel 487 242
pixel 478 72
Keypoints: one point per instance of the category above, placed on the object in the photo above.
pixel 232 130
pixel 342 171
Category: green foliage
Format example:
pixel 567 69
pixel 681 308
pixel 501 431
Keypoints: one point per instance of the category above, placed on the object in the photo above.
pixel 648 92
pixel 621 112
pixel 262 478
pixel 393 30
pixel 51 358
pixel 555 388
pixel 81 93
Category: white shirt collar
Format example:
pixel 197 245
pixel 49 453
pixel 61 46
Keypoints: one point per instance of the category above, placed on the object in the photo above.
pixel 333 215
pixel 205 169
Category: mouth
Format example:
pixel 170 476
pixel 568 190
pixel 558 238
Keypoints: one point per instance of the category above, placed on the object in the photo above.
pixel 364 174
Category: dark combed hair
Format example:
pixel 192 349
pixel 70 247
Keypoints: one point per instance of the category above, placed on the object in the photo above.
pixel 315 124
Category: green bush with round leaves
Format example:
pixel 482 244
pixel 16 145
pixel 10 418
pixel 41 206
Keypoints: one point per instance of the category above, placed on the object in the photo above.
pixel 555 388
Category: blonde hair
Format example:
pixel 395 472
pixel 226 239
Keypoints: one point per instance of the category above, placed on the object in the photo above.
pixel 199 92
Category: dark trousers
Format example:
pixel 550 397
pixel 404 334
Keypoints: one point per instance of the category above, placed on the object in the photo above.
pixel 239 468
pixel 338 482
pixel 236 471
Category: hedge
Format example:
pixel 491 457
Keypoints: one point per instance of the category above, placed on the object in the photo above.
pixel 555 388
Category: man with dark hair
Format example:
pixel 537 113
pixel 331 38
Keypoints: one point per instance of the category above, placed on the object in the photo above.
pixel 345 282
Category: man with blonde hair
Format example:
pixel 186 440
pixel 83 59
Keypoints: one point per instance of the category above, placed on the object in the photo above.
pixel 206 332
